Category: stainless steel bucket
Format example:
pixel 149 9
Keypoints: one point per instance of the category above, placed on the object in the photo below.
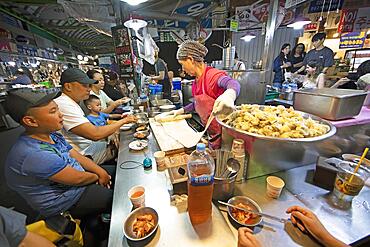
pixel 223 187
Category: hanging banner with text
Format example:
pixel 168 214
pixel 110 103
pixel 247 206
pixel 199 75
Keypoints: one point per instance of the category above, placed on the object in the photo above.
pixel 352 40
pixel 354 20
pixel 322 5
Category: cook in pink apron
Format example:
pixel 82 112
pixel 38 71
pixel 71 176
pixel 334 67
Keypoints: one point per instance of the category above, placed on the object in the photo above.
pixel 205 94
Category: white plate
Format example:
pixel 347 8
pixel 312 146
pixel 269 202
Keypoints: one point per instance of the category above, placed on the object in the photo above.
pixel 126 100
pixel 126 126
pixel 138 145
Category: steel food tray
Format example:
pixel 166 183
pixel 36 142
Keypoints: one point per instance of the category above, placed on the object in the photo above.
pixel 330 103
pixel 330 133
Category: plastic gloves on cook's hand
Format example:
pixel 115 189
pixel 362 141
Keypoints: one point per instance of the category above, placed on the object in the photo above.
pixel 171 113
pixel 177 112
pixel 224 104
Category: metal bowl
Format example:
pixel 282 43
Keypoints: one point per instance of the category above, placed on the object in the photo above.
pixel 330 133
pixel 142 119
pixel 131 218
pixel 247 201
pixel 141 134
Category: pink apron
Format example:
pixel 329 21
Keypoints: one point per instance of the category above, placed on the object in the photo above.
pixel 203 106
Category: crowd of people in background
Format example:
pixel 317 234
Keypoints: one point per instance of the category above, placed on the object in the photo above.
pixel 313 64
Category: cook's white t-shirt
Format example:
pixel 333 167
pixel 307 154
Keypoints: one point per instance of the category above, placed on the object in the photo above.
pixel 72 116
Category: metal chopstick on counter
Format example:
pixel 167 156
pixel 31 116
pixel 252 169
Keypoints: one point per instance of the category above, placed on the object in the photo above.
pixel 281 220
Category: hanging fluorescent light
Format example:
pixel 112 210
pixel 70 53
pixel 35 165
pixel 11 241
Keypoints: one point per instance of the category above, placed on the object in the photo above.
pixel 299 22
pixel 135 24
pixel 248 37
pixel 134 2
pixel 11 63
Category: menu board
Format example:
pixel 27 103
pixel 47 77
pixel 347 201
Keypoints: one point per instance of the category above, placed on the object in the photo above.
pixel 121 39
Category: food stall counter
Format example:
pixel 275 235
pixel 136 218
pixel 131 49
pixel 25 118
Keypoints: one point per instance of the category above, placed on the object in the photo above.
pixel 175 228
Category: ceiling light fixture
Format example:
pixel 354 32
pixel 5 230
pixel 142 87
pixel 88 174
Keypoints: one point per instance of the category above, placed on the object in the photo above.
pixel 80 57
pixel 248 37
pixel 135 24
pixel 134 2
pixel 299 22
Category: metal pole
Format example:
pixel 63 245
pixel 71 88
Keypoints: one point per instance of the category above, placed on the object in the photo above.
pixel 269 37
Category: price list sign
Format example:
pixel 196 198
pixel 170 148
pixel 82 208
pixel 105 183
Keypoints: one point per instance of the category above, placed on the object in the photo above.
pixel 352 40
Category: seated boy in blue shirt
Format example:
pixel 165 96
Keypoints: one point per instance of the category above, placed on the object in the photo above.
pixel 96 116
pixel 44 169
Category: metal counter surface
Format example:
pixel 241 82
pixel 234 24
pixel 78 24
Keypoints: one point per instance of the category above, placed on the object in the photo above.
pixel 347 225
pixel 175 228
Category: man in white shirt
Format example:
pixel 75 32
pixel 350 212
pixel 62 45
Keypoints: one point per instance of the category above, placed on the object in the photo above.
pixel 238 65
pixel 85 137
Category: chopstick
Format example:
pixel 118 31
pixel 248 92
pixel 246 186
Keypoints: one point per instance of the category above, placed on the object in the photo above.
pixel 281 220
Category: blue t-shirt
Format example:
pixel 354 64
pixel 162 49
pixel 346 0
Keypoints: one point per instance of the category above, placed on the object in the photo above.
pixel 100 120
pixel 30 164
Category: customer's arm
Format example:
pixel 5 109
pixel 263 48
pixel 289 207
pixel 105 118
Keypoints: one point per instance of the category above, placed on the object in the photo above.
pixel 13 231
pixel 341 82
pixel 111 105
pixel 95 133
pixel 71 176
pixel 300 70
pixel 321 81
pixel 91 166
pixel 307 221
pixel 159 77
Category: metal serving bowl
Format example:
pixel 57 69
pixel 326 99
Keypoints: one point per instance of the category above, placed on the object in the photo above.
pixel 131 218
pixel 330 133
pixel 246 201
pixel 145 134
pixel 142 119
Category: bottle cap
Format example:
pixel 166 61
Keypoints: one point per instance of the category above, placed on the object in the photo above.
pixel 201 147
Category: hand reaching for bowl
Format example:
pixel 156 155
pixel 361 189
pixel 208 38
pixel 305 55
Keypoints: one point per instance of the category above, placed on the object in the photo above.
pixel 129 119
pixel 308 222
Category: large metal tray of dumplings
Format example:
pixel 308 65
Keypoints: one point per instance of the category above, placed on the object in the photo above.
pixel 242 133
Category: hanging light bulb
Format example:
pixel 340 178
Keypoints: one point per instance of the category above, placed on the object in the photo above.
pixel 86 59
pixel 135 24
pixel 80 57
